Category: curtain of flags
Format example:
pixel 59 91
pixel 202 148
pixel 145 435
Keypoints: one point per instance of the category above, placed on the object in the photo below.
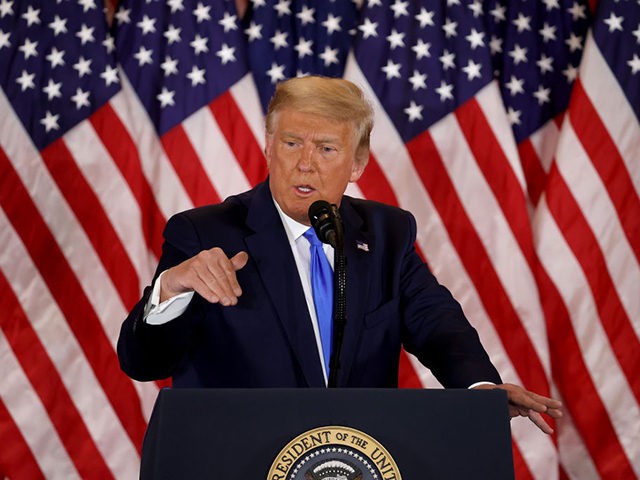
pixel 509 129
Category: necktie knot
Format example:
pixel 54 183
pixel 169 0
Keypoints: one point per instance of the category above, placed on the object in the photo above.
pixel 313 239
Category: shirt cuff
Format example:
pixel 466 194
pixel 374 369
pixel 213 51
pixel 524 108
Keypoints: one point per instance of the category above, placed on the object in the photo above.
pixel 157 313
pixel 477 384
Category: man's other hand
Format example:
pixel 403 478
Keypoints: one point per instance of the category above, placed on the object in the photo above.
pixel 523 403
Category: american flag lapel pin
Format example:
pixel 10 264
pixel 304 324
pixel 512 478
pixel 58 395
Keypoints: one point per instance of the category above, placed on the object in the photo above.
pixel 362 246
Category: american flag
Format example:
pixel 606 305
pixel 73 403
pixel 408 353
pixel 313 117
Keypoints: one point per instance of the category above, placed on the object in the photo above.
pixel 510 129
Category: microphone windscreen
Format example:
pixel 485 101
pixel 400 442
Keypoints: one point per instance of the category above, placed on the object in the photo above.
pixel 322 221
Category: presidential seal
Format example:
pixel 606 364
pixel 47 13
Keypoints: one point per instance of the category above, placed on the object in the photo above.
pixel 334 453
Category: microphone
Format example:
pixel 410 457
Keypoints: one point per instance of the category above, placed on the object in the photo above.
pixel 326 222
pixel 322 216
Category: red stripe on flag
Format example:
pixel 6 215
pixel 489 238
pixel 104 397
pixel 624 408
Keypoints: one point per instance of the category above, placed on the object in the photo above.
pixel 70 297
pixel 473 254
pixel 520 467
pixel 187 165
pixel 374 184
pixel 87 208
pixel 46 381
pixel 534 173
pixel 16 458
pixel 407 376
pixel 124 153
pixel 586 249
pixel 498 173
pixel 606 159
pixel 240 138
pixel 573 379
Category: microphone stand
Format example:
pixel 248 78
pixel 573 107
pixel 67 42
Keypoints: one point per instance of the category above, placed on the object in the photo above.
pixel 339 299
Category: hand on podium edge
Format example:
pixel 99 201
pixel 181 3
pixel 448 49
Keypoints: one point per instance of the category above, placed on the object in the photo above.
pixel 523 403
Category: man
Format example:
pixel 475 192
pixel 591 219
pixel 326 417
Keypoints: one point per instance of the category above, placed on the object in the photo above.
pixel 232 300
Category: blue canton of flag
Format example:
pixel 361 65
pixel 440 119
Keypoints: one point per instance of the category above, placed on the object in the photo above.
pixel 288 39
pixel 56 66
pixel 617 33
pixel 536 49
pixel 429 59
pixel 179 55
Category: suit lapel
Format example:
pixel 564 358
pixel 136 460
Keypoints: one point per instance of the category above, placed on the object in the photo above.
pixel 269 248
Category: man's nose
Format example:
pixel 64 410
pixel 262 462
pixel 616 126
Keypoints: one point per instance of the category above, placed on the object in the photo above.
pixel 305 162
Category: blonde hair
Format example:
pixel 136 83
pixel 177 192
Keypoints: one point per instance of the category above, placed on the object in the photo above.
pixel 333 98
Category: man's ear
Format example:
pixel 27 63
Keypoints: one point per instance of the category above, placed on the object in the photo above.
pixel 268 141
pixel 359 164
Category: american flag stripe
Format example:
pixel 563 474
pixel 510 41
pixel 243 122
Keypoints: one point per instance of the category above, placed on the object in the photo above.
pixel 155 163
pixel 37 367
pixel 587 252
pixel 605 301
pixel 506 194
pixel 76 374
pixel 374 184
pixel 477 261
pixel 583 389
pixel 239 137
pixel 533 171
pixel 537 154
pixel 122 149
pixel 32 425
pixel 188 167
pixel 87 208
pixel 61 281
pixel 211 147
pixel 98 173
pixel 609 165
pixel 17 459
pixel 67 293
pixel 575 460
pixel 245 97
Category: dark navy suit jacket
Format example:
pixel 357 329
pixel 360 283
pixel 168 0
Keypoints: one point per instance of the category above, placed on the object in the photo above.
pixel 267 339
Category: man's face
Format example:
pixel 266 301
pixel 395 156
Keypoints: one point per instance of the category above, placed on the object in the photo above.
pixel 310 158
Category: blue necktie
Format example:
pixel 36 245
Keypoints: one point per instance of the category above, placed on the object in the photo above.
pixel 322 285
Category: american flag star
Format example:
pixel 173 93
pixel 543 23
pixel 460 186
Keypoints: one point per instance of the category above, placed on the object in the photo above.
pixel 288 39
pixel 44 52
pixel 173 54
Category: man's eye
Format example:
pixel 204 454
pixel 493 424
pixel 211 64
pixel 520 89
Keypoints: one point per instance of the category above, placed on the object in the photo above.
pixel 328 149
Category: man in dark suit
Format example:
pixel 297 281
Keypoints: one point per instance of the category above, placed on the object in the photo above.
pixel 232 305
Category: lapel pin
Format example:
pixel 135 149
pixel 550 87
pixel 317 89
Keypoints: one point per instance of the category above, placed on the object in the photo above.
pixel 362 246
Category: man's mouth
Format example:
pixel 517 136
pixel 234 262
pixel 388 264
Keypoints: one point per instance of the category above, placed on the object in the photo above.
pixel 304 189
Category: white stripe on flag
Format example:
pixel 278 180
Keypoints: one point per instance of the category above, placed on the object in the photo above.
pixel 114 194
pixel 61 346
pixel 214 153
pixel 32 419
pixel 592 197
pixel 494 231
pixel 155 164
pixel 603 367
pixel 245 95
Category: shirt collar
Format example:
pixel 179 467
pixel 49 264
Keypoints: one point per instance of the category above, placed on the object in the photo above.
pixel 293 228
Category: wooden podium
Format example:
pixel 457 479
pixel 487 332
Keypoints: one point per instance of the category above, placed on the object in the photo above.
pixel 256 434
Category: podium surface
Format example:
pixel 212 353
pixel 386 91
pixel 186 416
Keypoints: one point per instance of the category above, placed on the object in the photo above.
pixel 275 434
